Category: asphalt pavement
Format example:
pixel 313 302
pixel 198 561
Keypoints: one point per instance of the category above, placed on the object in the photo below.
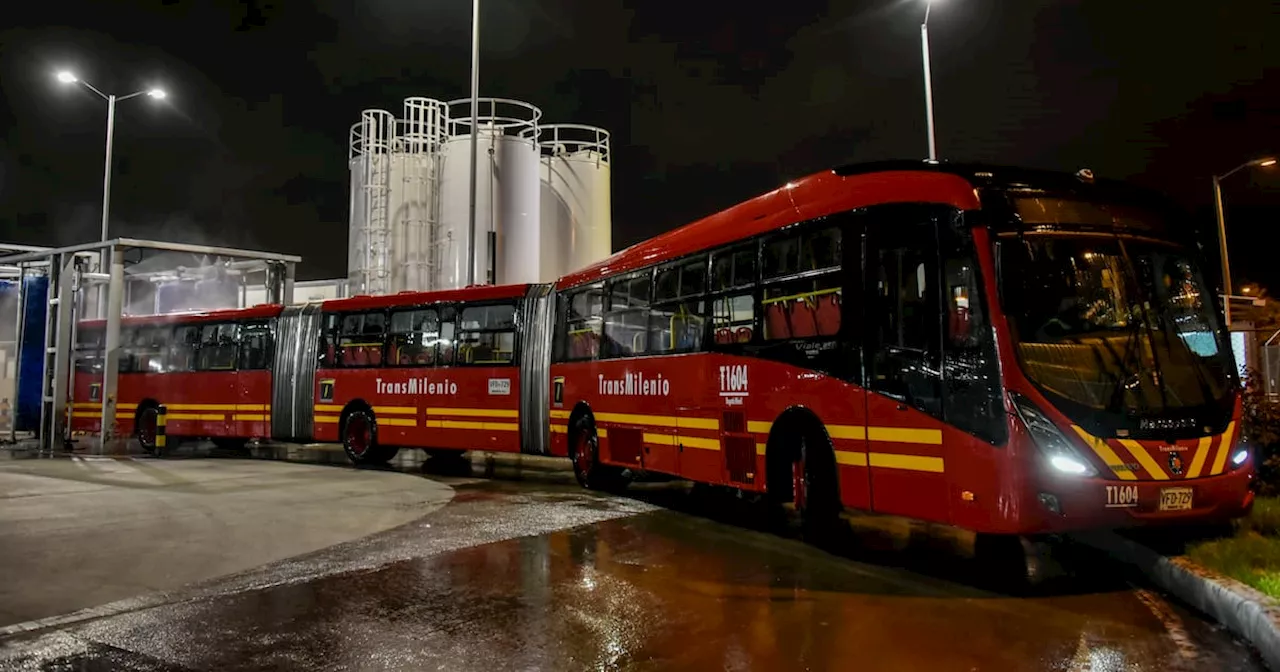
pixel 537 576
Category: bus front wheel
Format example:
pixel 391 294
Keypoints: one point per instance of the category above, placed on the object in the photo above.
pixel 584 451
pixel 360 439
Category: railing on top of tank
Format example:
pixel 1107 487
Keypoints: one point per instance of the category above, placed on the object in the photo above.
pixel 502 115
pixel 425 125
pixel 373 134
pixel 567 140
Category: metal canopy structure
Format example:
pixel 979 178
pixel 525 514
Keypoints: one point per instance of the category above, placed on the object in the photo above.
pixel 68 270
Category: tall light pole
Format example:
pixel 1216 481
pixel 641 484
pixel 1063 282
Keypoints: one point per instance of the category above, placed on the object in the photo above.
pixel 928 79
pixel 475 137
pixel 158 94
pixel 1222 228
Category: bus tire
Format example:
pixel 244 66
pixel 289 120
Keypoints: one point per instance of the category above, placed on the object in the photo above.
pixel 144 428
pixel 816 473
pixel 1010 562
pixel 360 439
pixel 584 452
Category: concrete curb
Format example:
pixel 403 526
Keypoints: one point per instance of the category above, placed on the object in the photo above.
pixel 520 461
pixel 1244 611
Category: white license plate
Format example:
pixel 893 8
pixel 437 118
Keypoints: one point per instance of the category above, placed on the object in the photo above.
pixel 1175 499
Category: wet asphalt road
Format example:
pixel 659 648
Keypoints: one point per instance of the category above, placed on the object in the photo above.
pixel 521 576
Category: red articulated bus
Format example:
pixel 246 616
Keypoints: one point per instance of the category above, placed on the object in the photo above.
pixel 1007 351
pixel 437 370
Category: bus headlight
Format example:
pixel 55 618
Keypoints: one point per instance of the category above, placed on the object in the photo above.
pixel 1239 458
pixel 1061 455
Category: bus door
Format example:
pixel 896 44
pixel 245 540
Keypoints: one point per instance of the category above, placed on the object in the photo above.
pixel 217 384
pixel 253 380
pixel 902 341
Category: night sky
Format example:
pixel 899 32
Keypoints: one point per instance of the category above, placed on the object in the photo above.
pixel 709 103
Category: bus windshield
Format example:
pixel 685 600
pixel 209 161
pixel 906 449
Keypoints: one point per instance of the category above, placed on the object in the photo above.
pixel 1116 324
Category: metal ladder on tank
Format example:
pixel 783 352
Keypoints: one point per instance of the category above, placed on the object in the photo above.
pixel 376 233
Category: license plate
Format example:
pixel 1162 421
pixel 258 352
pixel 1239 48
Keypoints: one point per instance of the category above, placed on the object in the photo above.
pixel 1175 499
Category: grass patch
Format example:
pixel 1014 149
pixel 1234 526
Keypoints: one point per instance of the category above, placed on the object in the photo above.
pixel 1252 554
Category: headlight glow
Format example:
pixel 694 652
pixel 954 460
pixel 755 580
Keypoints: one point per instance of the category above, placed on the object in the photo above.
pixel 1239 458
pixel 1060 453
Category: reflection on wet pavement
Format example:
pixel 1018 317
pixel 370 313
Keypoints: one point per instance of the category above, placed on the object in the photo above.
pixel 512 577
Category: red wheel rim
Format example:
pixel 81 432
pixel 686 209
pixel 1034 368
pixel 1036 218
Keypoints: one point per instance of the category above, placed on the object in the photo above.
pixel 147 428
pixel 798 483
pixel 358 435
pixel 582 457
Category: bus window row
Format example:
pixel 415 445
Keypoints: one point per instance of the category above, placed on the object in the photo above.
pixel 781 287
pixel 214 346
pixel 436 336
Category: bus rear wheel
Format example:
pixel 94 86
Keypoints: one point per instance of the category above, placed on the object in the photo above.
pixel 360 439
pixel 584 451
pixel 145 429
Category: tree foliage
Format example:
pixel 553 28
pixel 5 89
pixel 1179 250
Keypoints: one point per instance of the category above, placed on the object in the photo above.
pixel 1260 425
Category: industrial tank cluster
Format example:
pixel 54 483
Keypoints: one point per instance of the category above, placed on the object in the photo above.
pixel 542 197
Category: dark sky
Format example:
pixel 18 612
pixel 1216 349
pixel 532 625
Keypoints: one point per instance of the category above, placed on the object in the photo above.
pixel 709 102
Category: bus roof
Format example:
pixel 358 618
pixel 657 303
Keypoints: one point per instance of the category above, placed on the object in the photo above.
pixel 819 194
pixel 845 188
pixel 473 293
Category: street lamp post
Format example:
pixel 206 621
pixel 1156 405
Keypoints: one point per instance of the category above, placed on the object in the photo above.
pixel 158 94
pixel 1222 229
pixel 475 137
pixel 928 80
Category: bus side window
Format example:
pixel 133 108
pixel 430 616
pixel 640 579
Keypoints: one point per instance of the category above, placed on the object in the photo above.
pixel 733 284
pixel 676 319
pixel 626 322
pixel 89 346
pixel 971 388
pixel 904 308
pixel 362 338
pixel 414 337
pixel 256 345
pixel 327 353
pixel 183 348
pixel 487 335
pixel 219 347
pixel 802 296
pixel 584 322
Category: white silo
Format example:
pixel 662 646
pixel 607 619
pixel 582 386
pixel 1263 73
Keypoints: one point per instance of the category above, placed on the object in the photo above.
pixel 414 204
pixel 576 208
pixel 507 234
pixel 370 159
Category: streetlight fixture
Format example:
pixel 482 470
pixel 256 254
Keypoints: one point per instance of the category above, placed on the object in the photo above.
pixel 67 77
pixel 928 79
pixel 1265 162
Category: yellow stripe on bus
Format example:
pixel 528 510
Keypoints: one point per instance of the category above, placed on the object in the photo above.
pixel 905 435
pixel 1100 447
pixel 200 407
pixel 1203 448
pixel 660 421
pixel 327 419
pixel 86 414
pixel 850 458
pixel 396 410
pixel 469 424
pixel 853 432
pixel 560 414
pixel 328 408
pixel 559 429
pixel 398 422
pixel 1144 458
pixel 196 416
pixel 907 462
pixel 1224 447
pixel 476 412
pixel 253 407
pixel 251 417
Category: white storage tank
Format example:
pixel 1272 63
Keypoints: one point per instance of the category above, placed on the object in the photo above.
pixel 507 235
pixel 369 241
pixel 414 206
pixel 576 208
